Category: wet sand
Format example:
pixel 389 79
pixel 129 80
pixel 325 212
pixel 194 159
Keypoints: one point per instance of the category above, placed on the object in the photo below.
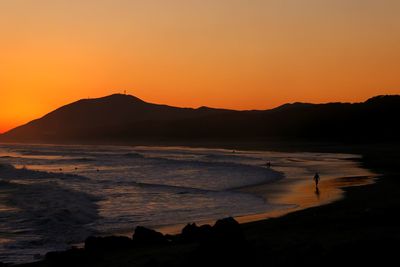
pixel 301 195
pixel 360 229
pixel 296 195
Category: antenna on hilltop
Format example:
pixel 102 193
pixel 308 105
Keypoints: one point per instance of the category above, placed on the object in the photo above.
pixel 124 92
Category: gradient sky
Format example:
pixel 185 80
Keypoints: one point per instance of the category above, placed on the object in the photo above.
pixel 242 54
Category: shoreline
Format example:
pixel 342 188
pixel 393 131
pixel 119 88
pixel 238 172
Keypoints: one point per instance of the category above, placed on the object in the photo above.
pixel 352 200
pixel 294 194
pixel 300 196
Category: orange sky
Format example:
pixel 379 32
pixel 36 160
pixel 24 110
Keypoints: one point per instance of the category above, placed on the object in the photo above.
pixel 242 54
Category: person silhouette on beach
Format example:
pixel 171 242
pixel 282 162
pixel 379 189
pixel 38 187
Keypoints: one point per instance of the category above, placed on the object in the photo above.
pixel 316 179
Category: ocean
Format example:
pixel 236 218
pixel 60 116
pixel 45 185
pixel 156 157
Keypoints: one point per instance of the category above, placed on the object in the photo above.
pixel 52 197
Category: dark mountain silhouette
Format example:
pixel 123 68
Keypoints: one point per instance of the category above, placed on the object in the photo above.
pixel 125 118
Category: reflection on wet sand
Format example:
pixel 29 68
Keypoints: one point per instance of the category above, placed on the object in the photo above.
pixel 304 194
pixel 298 196
pixel 317 192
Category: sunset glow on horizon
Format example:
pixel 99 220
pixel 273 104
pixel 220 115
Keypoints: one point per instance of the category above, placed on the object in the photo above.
pixel 233 54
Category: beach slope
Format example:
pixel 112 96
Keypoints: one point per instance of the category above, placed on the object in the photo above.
pixel 361 229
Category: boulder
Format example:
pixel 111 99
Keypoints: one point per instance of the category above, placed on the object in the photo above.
pixel 228 230
pixel 107 243
pixel 145 236
pixel 194 233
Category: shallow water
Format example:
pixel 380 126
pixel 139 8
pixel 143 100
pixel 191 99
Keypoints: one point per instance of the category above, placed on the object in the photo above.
pixel 55 196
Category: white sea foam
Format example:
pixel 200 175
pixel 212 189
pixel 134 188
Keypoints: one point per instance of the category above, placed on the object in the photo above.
pixel 52 196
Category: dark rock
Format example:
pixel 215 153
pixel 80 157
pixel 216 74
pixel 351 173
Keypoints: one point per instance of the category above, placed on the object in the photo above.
pixel 225 247
pixel 52 255
pixel 194 233
pixel 145 236
pixel 65 258
pixel 107 243
pixel 190 232
pixel 228 230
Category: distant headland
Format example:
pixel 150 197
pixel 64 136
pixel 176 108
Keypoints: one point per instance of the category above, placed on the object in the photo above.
pixel 126 118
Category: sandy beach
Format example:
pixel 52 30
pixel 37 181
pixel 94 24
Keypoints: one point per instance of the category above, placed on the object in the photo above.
pixel 295 194
pixel 303 195
pixel 355 224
